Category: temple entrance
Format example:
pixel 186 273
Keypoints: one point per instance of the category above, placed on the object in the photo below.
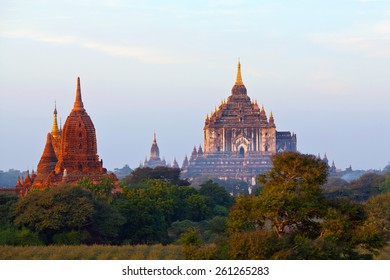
pixel 242 152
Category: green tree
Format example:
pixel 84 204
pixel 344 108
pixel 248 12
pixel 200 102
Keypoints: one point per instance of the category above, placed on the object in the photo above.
pixel 366 186
pixel 7 201
pixel 292 197
pixel 142 174
pixel 57 213
pixel 54 210
pixel 102 189
pixel 291 219
pixel 378 211
pixel 216 194
pixel 384 187
pixel 198 207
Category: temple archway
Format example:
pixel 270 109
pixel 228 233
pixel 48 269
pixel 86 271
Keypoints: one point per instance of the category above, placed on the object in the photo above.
pixel 241 151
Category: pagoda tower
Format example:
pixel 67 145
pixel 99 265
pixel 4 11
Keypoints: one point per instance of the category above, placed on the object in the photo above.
pixel 154 159
pixel 239 139
pixel 70 154
pixel 79 148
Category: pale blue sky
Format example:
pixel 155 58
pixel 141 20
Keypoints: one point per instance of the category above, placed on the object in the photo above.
pixel 322 67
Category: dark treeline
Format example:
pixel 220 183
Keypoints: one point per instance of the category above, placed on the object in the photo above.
pixel 296 212
pixel 149 210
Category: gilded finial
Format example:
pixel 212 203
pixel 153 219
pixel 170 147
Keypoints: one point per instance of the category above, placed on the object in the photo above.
pixel 54 128
pixel 239 78
pixel 207 117
pixel 215 109
pixel 55 108
pixel 271 116
pixel 262 107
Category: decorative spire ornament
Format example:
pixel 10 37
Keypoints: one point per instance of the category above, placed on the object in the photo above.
pixel 78 104
pixel 239 78
pixel 54 129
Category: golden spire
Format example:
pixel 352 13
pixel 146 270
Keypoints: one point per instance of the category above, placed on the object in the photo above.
pixel 207 117
pixel 215 109
pixel 271 116
pixel 239 78
pixel 262 107
pixel 54 128
pixel 78 104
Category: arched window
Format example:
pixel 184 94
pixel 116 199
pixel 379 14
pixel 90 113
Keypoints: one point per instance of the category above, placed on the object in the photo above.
pixel 242 151
pixel 266 148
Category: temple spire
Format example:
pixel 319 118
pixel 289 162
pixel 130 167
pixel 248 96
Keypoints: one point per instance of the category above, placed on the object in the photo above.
pixel 54 129
pixel 78 104
pixel 239 78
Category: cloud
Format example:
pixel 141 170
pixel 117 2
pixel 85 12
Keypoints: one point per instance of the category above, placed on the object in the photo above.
pixel 382 27
pixel 36 36
pixel 372 40
pixel 145 54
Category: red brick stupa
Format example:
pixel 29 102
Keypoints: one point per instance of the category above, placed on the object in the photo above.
pixel 70 154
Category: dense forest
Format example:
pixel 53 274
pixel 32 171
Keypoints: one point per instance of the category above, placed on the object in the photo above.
pixel 296 212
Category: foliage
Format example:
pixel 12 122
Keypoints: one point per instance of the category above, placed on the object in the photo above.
pixel 7 201
pixel 55 209
pixel 361 189
pixel 291 219
pixel 107 222
pixel 142 174
pixel 72 237
pixel 234 187
pixel 179 227
pixel 366 186
pixel 216 193
pixel 379 213
pixel 151 210
pixel 254 245
pixel 245 214
pixel 335 181
pixel 384 187
pixel 292 192
pixel 55 213
pixel 20 237
pixel 102 190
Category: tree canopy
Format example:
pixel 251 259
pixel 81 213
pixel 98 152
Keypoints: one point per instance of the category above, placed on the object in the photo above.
pixel 291 218
pixel 142 174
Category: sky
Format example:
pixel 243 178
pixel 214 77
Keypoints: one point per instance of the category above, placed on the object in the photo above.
pixel 322 67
